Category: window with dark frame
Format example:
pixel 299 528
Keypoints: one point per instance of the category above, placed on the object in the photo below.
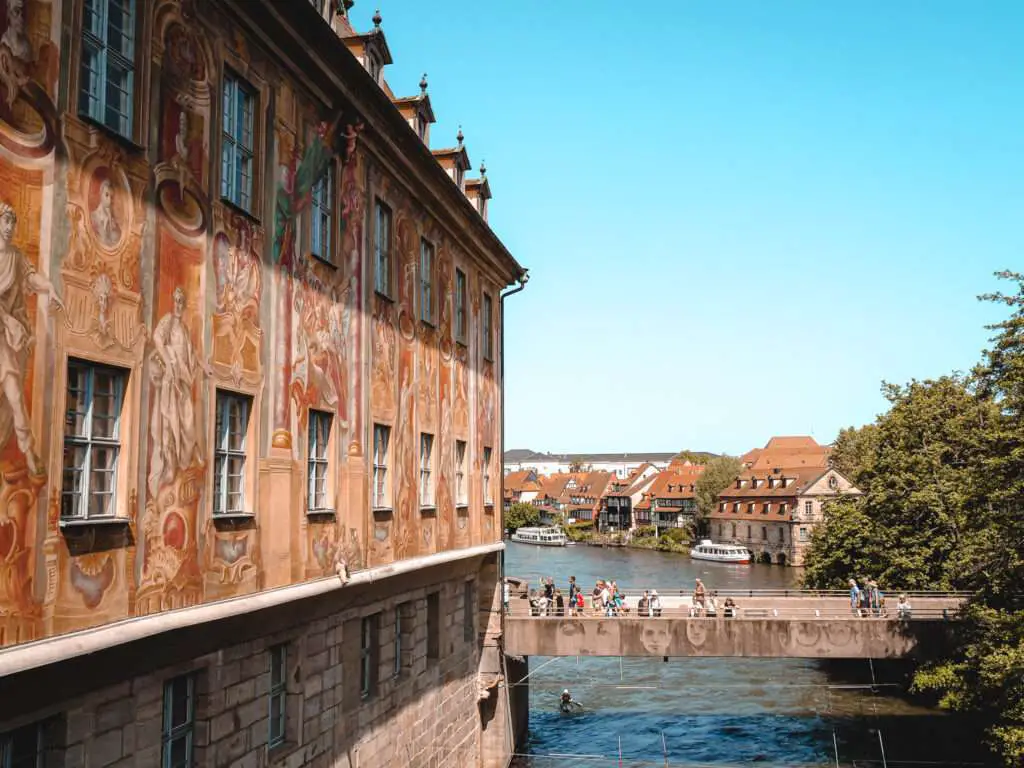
pixel 24 747
pixel 230 453
pixel 460 306
pixel 488 329
pixel 461 498
pixel 92 442
pixel 106 89
pixel 278 715
pixel 321 241
pixel 317 462
pixel 486 472
pixel 381 438
pixel 426 281
pixel 368 655
pixel 468 611
pixel 237 165
pixel 434 626
pixel 426 470
pixel 382 249
pixel 179 722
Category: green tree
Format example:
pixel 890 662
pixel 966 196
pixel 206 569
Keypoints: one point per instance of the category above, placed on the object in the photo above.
pixel 853 452
pixel 911 529
pixel 986 673
pixel 521 515
pixel 716 477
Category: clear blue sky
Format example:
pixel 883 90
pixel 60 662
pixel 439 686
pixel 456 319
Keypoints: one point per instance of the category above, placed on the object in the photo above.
pixel 739 217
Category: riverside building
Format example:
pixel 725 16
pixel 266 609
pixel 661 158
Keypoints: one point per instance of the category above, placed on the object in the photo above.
pixel 251 414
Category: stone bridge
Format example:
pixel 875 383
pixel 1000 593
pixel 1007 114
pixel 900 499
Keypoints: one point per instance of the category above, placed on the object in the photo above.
pixel 764 623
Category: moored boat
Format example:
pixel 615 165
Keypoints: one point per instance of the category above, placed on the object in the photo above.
pixel 720 553
pixel 542 537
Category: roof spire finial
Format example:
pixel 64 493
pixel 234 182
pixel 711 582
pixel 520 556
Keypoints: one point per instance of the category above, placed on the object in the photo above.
pixel 483 168
pixel 459 136
pixel 377 19
pixel 423 84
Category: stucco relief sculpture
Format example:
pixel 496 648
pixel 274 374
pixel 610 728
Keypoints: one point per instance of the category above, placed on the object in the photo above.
pixel 17 277
pixel 16 54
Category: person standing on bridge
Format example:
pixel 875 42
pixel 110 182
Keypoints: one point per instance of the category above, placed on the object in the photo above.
pixel 699 595
pixel 655 604
pixel 854 598
pixel 903 608
pixel 573 589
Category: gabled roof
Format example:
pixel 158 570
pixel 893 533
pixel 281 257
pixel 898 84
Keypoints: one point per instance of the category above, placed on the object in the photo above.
pixel 800 479
pixel 524 480
pixel 676 483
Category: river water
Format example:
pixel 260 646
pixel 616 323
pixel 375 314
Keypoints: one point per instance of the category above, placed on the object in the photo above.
pixel 721 712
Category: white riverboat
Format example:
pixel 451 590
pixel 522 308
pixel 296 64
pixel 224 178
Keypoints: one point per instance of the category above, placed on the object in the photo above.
pixel 542 537
pixel 720 553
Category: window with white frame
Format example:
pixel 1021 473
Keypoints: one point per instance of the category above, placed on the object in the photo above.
pixel 230 452
pixel 317 461
pixel 106 91
pixel 488 497
pixel 426 470
pixel 460 306
pixel 321 242
pixel 783 507
pixel 426 281
pixel 461 499
pixel 803 534
pixel 25 747
pixel 278 695
pixel 381 440
pixel 179 722
pixel 92 441
pixel 767 508
pixel 809 508
pixel 488 328
pixel 237 142
pixel 736 507
pixel 382 249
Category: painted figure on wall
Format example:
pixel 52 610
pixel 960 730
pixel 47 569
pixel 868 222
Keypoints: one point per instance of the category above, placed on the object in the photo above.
pixel 14 36
pixel 17 275
pixel 104 218
pixel 237 271
pixel 173 367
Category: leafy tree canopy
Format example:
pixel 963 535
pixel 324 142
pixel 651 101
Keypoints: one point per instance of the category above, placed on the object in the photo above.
pixel 521 515
pixel 943 476
pixel 717 475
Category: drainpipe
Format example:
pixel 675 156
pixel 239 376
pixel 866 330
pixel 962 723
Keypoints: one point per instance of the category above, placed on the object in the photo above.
pixel 523 278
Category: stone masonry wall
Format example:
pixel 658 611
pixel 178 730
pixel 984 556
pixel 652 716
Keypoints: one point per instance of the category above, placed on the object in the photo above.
pixel 425 715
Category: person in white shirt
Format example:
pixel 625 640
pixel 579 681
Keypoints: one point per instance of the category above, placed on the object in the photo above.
pixel 655 604
pixel 903 608
pixel 606 600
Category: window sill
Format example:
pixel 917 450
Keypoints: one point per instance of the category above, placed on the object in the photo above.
pixel 462 343
pixel 323 260
pixel 383 296
pixel 281 751
pixel 488 358
pixel 321 513
pixel 462 508
pixel 233 516
pixel 125 141
pixel 240 210
pixel 383 511
pixel 428 510
pixel 88 522
pixel 488 506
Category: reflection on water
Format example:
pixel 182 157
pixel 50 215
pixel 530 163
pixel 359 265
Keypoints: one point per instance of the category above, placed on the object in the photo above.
pixel 719 712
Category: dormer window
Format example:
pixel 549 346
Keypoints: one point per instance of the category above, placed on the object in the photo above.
pixel 373 66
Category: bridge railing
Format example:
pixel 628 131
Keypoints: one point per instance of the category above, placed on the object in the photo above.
pixel 522 609
pixel 795 593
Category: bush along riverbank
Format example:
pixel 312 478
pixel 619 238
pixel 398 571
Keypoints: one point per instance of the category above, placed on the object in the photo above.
pixel 645 537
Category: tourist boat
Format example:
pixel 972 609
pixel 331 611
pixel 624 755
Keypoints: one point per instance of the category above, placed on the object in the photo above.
pixel 542 537
pixel 720 553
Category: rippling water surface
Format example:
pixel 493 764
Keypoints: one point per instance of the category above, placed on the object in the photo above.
pixel 720 712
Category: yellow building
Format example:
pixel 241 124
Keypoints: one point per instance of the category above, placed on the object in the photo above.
pixel 251 412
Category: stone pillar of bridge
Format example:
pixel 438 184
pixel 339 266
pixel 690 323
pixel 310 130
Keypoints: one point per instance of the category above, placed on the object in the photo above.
pixel 516 669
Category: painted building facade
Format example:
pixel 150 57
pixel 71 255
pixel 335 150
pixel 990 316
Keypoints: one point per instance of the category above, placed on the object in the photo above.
pixel 251 341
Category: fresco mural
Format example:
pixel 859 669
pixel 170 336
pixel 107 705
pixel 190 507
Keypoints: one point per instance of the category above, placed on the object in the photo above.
pixel 129 259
